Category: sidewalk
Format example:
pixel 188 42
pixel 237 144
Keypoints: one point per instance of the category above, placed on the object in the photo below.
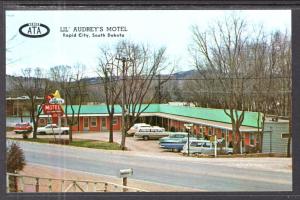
pixel 53 172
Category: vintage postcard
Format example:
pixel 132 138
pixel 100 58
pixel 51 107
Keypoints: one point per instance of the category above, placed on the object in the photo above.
pixel 148 101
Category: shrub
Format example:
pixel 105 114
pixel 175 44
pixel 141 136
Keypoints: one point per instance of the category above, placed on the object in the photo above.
pixel 15 162
pixel 25 135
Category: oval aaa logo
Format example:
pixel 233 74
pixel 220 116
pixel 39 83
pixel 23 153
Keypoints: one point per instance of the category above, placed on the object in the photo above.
pixel 34 30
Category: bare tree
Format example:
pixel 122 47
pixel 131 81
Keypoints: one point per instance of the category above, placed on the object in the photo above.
pixel 222 51
pixel 245 71
pixel 138 66
pixel 141 66
pixel 69 80
pixel 109 72
pixel 33 84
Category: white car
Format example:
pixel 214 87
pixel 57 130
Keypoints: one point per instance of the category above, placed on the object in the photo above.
pixel 203 147
pixel 135 127
pixel 52 129
pixel 152 132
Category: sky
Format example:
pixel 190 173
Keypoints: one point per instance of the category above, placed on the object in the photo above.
pixel 156 28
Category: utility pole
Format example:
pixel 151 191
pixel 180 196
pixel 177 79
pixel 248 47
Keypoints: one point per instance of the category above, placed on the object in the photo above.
pixel 123 59
pixel 123 102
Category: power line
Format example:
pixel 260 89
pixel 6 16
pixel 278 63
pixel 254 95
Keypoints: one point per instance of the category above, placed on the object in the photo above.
pixel 174 79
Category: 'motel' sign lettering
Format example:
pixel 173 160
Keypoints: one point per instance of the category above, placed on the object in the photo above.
pixel 34 30
pixel 50 108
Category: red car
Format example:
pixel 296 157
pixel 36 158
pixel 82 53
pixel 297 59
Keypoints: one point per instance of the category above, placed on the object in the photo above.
pixel 23 127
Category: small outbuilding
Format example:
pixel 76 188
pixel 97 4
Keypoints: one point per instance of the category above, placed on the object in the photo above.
pixel 275 136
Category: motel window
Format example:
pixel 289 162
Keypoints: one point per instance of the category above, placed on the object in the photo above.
pixel 251 138
pixel 115 121
pixel 285 135
pixel 85 122
pixel 93 121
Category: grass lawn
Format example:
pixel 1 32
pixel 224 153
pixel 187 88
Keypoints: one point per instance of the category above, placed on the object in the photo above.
pixel 9 129
pixel 78 143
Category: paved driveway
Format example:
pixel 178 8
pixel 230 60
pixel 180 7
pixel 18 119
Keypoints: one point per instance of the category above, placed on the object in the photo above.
pixel 136 145
pixel 131 143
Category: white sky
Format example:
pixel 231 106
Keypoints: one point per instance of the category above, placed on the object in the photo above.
pixel 158 28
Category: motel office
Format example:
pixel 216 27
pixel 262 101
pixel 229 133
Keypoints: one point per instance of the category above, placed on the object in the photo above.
pixel 206 121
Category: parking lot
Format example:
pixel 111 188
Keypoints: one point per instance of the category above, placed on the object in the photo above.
pixel 134 145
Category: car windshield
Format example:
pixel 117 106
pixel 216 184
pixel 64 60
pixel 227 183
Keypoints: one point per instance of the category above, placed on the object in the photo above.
pixel 21 125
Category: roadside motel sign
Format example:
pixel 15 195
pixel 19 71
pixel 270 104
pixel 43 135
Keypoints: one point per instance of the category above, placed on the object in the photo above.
pixel 52 108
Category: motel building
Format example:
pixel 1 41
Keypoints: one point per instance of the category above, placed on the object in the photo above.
pixel 206 121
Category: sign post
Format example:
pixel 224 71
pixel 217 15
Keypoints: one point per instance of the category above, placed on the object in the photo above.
pixel 59 126
pixel 188 126
pixel 215 145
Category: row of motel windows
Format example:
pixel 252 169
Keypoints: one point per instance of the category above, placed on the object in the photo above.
pixel 87 121
pixel 223 131
pixel 93 122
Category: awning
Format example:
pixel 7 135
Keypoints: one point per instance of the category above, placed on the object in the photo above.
pixel 201 122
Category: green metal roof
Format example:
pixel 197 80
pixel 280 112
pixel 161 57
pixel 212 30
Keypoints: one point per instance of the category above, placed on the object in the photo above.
pixel 217 115
pixel 90 109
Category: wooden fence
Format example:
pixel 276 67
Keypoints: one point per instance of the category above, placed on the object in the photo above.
pixel 26 183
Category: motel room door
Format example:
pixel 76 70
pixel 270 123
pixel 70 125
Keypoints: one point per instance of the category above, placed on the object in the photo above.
pixel 86 124
pixel 103 124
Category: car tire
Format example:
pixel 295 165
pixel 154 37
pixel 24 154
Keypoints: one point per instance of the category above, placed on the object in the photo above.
pixel 41 133
pixel 65 132
pixel 145 137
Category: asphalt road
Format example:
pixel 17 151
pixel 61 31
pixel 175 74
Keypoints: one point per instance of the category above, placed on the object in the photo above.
pixel 209 174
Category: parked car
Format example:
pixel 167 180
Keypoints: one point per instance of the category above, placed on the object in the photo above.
pixel 23 127
pixel 135 127
pixel 175 141
pixel 204 147
pixel 52 129
pixel 152 132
